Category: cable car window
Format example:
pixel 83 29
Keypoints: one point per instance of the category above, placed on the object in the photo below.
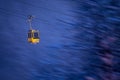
pixel 36 35
pixel 29 35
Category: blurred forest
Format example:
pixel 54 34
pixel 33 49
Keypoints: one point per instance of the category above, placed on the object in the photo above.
pixel 98 24
pixel 80 40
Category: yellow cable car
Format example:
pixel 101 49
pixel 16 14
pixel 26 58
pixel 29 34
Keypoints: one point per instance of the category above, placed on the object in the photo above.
pixel 33 35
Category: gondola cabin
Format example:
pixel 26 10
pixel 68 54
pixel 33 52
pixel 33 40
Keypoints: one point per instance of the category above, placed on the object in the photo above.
pixel 33 36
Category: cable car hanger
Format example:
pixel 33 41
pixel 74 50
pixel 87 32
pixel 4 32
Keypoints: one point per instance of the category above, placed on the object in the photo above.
pixel 30 17
pixel 33 35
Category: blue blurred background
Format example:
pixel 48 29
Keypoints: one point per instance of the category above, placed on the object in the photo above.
pixel 74 34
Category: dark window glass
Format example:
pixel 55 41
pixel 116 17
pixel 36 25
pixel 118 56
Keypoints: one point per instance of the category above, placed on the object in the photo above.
pixel 36 35
pixel 29 35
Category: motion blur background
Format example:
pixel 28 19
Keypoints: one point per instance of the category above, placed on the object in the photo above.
pixel 80 40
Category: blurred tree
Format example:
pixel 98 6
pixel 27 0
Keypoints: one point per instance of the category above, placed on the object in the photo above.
pixel 99 20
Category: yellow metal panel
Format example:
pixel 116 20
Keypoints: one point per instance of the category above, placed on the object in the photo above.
pixel 32 40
